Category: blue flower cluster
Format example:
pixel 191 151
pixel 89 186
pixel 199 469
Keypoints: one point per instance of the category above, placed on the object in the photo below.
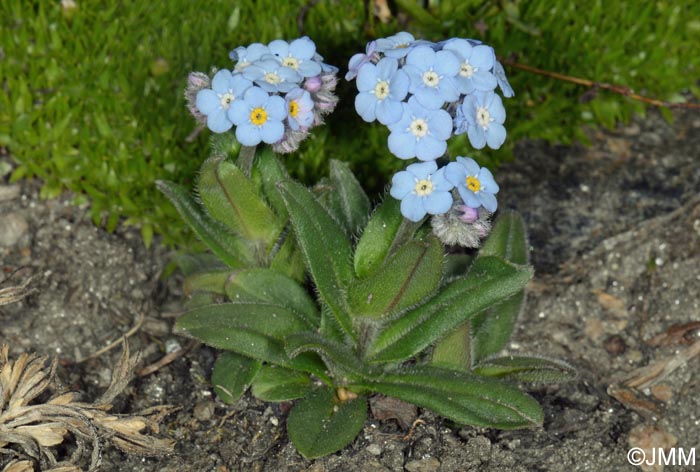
pixel 274 94
pixel 424 93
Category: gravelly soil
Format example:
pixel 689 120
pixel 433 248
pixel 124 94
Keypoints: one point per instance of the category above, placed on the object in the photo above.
pixel 615 238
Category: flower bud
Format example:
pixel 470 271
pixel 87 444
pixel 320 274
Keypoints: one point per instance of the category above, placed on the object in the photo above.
pixel 454 228
pixel 313 84
pixel 196 81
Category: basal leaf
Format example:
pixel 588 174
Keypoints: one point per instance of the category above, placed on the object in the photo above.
pixel 490 281
pixel 214 281
pixel 338 357
pixel 320 424
pixel 269 286
pixel 229 247
pixel 325 247
pixel 378 236
pixel 277 384
pixel 232 375
pixel 412 273
pixel 461 397
pixel 526 369
pixel 454 350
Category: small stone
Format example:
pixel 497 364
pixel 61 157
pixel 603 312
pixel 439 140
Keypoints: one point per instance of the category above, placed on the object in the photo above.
pixel 204 410
pixel 13 227
pixel 374 449
pixel 662 392
pixel 615 345
pixel 8 192
pixel 593 329
pixel 650 438
pixel 430 464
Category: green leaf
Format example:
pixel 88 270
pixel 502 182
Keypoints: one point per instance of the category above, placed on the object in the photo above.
pixel 508 239
pixel 526 369
pixel 492 329
pixel 412 273
pixel 270 171
pixel 277 384
pixel 490 281
pixel 287 260
pixel 320 424
pixel 461 397
pixel 325 247
pixel 268 286
pixel 191 263
pixel 454 350
pixel 251 329
pixel 229 247
pixel 232 375
pixel 231 198
pixel 338 357
pixel 456 265
pixel 353 201
pixel 214 281
pixel 378 237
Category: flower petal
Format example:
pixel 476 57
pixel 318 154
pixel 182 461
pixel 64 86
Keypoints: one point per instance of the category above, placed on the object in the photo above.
pixel 476 136
pixel 412 208
pixel 388 111
pixel 248 135
pixel 365 105
pixel 218 122
pixel 438 203
pixel 495 135
pixel 488 201
pixel 402 183
pixel 367 78
pixel 429 148
pixel 220 82
pixel 272 131
pixel 276 108
pixel 402 145
pixel 207 101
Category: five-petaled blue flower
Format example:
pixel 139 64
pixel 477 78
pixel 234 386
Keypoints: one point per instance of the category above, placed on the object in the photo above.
pixel 422 189
pixel 272 76
pixel 484 116
pixel 476 63
pixel 297 55
pixel 300 109
pixel 420 132
pixel 258 117
pixel 432 76
pixel 475 184
pixel 382 88
pixel 245 56
pixel 215 102
pixel 396 46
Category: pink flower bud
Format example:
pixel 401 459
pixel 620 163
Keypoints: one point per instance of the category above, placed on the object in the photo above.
pixel 468 214
pixel 313 84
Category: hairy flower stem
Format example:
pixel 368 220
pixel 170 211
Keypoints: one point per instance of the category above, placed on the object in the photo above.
pixel 245 159
pixel 404 234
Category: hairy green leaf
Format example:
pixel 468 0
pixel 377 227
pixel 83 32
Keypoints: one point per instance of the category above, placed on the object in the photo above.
pixel 526 369
pixel 229 247
pixel 214 281
pixel 461 397
pixel 338 357
pixel 454 350
pixel 268 286
pixel 232 375
pixel 277 384
pixel 231 198
pixel 320 424
pixel 269 171
pixel 352 200
pixel 508 239
pixel 490 281
pixel 378 237
pixel 412 273
pixel 325 247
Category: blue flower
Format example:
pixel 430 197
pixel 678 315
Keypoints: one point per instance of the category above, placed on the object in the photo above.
pixel 258 117
pixel 297 55
pixel 475 184
pixel 502 80
pixel 422 189
pixel 300 108
pixel 396 46
pixel 382 88
pixel 358 60
pixel 245 56
pixel 475 65
pixel 272 76
pixel 420 132
pixel 216 101
pixel 484 115
pixel 432 76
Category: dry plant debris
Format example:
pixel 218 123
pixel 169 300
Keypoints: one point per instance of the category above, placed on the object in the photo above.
pixel 31 427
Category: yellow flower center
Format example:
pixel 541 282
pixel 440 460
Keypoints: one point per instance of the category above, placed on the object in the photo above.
pixel 419 128
pixel 225 99
pixel 258 116
pixel 293 108
pixel 382 89
pixel 290 62
pixel 431 79
pixel 483 117
pixel 466 70
pixel 423 187
pixel 272 78
pixel 473 184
